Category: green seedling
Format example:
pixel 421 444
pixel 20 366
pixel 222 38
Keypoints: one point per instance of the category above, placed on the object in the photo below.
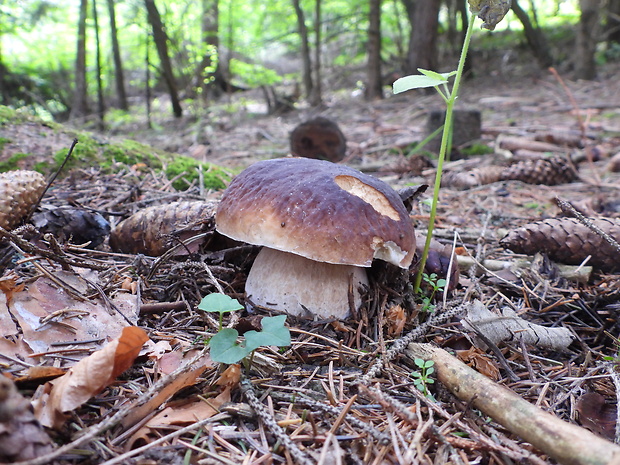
pixel 224 345
pixel 422 377
pixel 491 12
pixel 436 285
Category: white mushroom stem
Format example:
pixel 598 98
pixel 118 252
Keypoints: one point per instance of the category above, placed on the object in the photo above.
pixel 302 287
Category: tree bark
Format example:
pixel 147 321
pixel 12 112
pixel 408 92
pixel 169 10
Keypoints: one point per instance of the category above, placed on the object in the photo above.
pixel 424 19
pixel 534 36
pixel 79 106
pixel 100 102
pixel 316 98
pixel 305 49
pixel 212 80
pixel 119 78
pixel 161 43
pixel 374 90
pixel 612 25
pixel 587 35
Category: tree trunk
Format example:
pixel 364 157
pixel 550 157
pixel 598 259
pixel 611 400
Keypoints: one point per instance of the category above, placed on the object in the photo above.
pixel 424 19
pixel 316 98
pixel 374 90
pixel 534 36
pixel 79 106
pixel 119 78
pixel 100 103
pixel 305 49
pixel 210 72
pixel 161 43
pixel 612 26
pixel 587 35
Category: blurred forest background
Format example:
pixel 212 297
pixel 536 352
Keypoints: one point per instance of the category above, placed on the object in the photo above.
pixel 103 63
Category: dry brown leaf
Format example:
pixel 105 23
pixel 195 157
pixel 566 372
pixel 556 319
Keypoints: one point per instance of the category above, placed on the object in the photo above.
pixel 182 414
pixel 396 320
pixel 87 378
pixel 230 377
pixel 185 379
pixel 597 415
pixel 48 315
pixel 479 361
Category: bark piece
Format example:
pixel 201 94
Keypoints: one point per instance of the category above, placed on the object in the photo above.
pixel 75 224
pixel 566 240
pixel 472 178
pixel 319 138
pixel 19 191
pixel 566 443
pixel 547 171
pixel 508 326
pixel 150 231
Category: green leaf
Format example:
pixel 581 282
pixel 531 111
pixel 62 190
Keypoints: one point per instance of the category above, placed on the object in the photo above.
pixel 416 82
pixel 224 347
pixel 220 303
pixel 438 76
pixel 274 333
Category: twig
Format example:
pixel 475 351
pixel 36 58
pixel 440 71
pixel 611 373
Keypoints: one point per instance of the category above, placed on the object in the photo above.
pixel 569 209
pixel 401 344
pixel 567 443
pixel 300 457
pixel 96 430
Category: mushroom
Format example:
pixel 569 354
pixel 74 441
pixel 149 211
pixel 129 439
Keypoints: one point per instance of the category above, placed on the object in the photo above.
pixel 320 225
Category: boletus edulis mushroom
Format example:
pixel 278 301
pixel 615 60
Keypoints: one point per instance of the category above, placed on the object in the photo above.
pixel 320 225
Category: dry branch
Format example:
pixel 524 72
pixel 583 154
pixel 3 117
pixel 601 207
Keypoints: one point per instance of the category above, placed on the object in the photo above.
pixel 567 443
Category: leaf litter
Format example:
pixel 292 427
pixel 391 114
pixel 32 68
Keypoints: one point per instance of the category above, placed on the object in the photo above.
pixel 343 391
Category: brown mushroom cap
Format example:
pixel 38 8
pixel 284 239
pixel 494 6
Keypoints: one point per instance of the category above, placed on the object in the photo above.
pixel 319 210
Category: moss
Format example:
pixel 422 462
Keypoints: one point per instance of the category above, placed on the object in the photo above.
pixel 130 152
pixel 3 142
pixel 476 149
pixel 12 163
pixel 187 170
pixel 84 153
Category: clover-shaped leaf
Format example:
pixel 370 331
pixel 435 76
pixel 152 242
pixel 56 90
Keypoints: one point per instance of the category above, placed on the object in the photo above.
pixel 225 349
pixel 220 303
pixel 274 333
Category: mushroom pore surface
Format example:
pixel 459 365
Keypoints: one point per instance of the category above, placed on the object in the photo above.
pixel 318 210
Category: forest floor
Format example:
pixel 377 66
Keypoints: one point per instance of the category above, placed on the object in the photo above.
pixel 338 393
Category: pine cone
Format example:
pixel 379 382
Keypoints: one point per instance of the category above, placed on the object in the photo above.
pixel 472 178
pixel 150 231
pixel 19 190
pixel 548 171
pixel 566 240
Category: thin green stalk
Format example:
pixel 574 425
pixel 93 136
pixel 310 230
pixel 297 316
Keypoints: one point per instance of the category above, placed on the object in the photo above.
pixel 442 151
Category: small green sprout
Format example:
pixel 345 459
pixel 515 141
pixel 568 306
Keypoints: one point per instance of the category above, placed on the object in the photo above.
pixel 422 378
pixel 436 285
pixel 224 345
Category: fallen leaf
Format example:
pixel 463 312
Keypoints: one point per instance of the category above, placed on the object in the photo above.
pixel 396 320
pixel 478 360
pixel 230 377
pixel 180 415
pixel 183 380
pixel 87 378
pixel 597 415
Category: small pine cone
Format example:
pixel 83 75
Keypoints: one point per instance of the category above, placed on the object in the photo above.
pixel 19 190
pixel 472 178
pixel 150 231
pixel 548 171
pixel 566 240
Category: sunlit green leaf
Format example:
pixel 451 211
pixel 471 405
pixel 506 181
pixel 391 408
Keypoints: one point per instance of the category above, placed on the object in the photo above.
pixel 419 81
pixel 219 303
pixel 224 347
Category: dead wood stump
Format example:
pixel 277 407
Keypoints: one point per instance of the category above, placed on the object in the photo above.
pixel 319 138
pixel 467 128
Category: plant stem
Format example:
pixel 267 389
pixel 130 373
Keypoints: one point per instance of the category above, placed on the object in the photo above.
pixel 442 151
